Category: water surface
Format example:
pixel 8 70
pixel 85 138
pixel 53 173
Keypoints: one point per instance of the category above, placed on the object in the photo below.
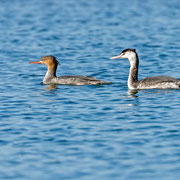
pixel 88 132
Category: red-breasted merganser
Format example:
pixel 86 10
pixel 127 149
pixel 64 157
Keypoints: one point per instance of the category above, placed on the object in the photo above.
pixel 156 82
pixel 50 77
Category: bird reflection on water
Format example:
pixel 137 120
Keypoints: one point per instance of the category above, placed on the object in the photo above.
pixel 51 87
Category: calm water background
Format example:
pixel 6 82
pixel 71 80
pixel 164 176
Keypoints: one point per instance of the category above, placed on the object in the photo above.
pixel 88 132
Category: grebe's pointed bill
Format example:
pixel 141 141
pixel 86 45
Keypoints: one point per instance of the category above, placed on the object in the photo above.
pixel 36 62
pixel 117 57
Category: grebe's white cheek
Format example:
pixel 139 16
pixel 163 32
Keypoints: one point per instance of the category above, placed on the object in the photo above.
pixel 125 56
pixel 131 55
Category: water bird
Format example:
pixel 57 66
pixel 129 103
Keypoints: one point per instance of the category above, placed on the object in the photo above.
pixel 155 82
pixel 51 78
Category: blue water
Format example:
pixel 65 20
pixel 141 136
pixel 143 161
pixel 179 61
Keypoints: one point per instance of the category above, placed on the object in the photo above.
pixel 88 132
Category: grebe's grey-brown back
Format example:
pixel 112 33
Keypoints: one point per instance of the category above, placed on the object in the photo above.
pixel 50 77
pixel 157 82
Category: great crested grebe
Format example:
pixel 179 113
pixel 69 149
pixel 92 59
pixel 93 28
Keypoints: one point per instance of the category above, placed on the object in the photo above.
pixel 156 82
pixel 50 77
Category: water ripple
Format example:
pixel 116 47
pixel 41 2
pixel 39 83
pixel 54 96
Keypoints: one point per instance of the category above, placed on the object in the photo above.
pixel 88 132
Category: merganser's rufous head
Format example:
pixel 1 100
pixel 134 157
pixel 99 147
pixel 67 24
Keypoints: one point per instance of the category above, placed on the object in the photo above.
pixel 126 53
pixel 47 60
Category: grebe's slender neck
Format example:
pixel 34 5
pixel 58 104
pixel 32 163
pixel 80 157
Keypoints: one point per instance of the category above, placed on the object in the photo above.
pixel 133 72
